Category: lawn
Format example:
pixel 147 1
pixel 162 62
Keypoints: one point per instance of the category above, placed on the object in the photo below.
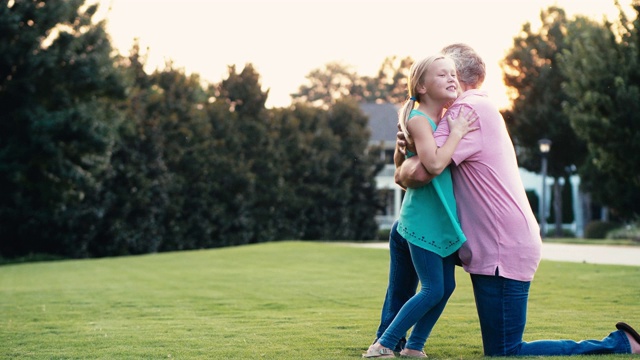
pixel 281 300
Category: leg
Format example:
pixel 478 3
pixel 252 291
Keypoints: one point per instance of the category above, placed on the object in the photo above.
pixel 429 267
pixel 502 310
pixel 403 282
pixel 423 327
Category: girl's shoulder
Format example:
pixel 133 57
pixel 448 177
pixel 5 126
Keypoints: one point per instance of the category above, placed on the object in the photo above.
pixel 417 114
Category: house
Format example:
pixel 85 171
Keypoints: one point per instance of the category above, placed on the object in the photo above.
pixel 383 120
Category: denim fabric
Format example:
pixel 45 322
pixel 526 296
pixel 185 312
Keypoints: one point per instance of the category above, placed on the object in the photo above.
pixel 502 310
pixel 403 282
pixel 422 310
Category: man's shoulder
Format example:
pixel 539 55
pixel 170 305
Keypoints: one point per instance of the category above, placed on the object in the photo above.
pixel 474 96
pixel 475 99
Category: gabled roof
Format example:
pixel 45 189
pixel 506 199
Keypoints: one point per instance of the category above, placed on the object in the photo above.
pixel 383 121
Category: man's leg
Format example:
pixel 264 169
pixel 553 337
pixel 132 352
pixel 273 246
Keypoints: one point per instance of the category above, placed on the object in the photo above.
pixel 403 282
pixel 502 310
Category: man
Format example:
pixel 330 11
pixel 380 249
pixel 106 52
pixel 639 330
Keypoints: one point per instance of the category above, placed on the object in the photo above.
pixel 502 251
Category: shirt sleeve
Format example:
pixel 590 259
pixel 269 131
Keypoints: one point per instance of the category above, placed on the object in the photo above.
pixel 470 144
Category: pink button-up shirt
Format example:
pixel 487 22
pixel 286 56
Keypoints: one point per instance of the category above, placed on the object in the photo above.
pixel 502 232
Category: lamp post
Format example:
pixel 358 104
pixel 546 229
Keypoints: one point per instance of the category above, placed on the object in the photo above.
pixel 545 147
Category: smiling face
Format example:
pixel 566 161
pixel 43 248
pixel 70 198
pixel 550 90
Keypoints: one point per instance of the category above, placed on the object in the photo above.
pixel 440 82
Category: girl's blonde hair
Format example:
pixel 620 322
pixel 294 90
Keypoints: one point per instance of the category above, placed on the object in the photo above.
pixel 416 74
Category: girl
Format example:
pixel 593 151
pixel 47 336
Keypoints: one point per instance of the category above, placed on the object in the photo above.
pixel 428 220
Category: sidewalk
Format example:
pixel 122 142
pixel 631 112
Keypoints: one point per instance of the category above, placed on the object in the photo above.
pixel 591 254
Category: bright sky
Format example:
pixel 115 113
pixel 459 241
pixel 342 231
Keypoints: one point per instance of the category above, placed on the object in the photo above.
pixel 285 40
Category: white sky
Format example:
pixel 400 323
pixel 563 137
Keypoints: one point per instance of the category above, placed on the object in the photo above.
pixel 285 40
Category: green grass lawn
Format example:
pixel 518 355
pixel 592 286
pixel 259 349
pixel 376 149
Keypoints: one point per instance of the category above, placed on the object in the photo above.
pixel 283 300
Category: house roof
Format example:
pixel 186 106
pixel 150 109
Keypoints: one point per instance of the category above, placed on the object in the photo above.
pixel 383 120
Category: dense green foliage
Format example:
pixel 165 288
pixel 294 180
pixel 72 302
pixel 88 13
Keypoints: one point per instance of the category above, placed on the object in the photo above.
pixel 601 64
pixel 531 70
pixel 100 158
pixel 575 81
pixel 58 91
pixel 285 300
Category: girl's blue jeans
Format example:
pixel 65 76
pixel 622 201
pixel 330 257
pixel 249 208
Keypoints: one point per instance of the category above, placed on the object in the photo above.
pixel 403 282
pixel 422 309
pixel 502 310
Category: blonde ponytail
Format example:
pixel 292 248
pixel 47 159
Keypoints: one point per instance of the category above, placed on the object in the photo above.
pixel 403 116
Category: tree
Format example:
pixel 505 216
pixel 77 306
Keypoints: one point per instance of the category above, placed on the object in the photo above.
pixel 257 153
pixel 57 82
pixel 137 183
pixel 600 63
pixel 532 73
pixel 354 172
pixel 337 81
pixel 390 83
pixel 326 85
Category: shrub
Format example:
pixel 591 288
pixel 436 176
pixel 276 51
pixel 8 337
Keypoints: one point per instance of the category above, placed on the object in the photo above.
pixel 566 233
pixel 629 231
pixel 383 234
pixel 599 229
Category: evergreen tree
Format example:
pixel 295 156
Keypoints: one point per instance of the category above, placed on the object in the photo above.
pixel 57 131
pixel 355 194
pixel 246 100
pixel 136 191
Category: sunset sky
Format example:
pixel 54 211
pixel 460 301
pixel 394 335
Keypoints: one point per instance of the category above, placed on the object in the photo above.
pixel 285 40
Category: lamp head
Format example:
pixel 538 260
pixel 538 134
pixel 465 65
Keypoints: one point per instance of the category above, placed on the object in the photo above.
pixel 545 146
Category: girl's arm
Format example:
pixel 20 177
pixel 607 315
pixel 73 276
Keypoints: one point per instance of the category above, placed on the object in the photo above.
pixel 409 172
pixel 435 159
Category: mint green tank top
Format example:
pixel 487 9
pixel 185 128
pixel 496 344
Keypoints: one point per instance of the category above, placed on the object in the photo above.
pixel 428 216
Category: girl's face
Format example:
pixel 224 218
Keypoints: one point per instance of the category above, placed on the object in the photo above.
pixel 440 80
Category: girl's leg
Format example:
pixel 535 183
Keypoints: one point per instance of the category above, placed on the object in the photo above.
pixel 429 267
pixel 423 327
pixel 403 282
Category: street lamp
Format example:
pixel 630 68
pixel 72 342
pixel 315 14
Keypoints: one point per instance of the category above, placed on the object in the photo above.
pixel 545 147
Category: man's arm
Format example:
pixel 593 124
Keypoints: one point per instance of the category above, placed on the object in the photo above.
pixel 410 173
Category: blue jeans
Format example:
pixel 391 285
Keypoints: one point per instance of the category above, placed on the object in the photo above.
pixel 403 282
pixel 422 309
pixel 502 310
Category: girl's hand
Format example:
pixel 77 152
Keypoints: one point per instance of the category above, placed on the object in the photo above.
pixel 461 125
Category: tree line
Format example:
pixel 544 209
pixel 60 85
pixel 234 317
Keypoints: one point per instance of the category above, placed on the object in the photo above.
pixel 100 158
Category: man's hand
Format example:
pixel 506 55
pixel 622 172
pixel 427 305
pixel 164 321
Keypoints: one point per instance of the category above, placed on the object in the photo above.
pixel 401 143
pixel 409 172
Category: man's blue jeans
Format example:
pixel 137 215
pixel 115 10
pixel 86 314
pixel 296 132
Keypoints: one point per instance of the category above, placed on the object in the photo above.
pixel 502 310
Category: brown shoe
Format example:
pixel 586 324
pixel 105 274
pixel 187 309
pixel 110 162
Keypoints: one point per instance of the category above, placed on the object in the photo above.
pixel 630 332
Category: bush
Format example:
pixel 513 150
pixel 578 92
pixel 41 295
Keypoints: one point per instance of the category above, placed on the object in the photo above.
pixel 566 233
pixel 599 229
pixel 383 234
pixel 629 231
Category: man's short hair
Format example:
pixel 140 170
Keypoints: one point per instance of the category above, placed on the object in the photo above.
pixel 469 65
